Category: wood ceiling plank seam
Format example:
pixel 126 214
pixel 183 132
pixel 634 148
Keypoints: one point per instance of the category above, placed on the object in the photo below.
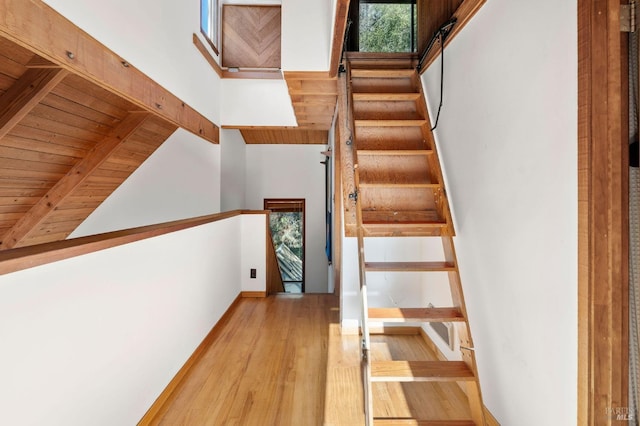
pixel 11 52
pixel 45 111
pixel 25 183
pixel 76 85
pixel 104 175
pixel 22 192
pixel 58 102
pixel 119 167
pixel 13 210
pixel 30 174
pixel 7 164
pixel 25 94
pixel 128 157
pixel 65 187
pixel 48 137
pixel 10 70
pixel 143 148
pixel 13 141
pixel 44 124
pixel 18 201
pixel 33 155
pixel 70 93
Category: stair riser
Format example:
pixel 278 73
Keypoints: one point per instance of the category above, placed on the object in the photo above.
pixel 394 169
pixel 402 199
pixel 386 110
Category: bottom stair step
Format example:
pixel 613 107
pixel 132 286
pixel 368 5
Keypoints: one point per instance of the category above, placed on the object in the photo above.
pixel 420 371
pixel 413 422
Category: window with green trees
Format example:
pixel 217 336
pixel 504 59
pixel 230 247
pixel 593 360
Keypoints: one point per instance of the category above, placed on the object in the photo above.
pixel 387 26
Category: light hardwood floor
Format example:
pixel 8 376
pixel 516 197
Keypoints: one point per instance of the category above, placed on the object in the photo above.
pixel 283 361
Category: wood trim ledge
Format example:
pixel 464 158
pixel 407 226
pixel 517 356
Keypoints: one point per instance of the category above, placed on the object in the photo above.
pixel 27 257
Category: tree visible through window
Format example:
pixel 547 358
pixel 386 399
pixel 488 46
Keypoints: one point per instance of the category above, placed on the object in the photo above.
pixel 286 222
pixel 387 26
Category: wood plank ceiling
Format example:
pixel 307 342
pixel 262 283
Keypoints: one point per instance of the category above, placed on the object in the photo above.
pixel 65 145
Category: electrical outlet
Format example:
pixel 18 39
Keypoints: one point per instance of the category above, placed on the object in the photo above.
pixel 253 273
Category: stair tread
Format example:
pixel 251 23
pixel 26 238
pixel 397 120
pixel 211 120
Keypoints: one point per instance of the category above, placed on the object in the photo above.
pixel 420 371
pixel 395 151
pixel 415 422
pixel 382 72
pixel 399 185
pixel 389 123
pixel 415 314
pixel 386 96
pixel 409 266
pixel 422 217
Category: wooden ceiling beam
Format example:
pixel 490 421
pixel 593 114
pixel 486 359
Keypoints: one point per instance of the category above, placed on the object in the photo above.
pixel 72 180
pixel 25 94
pixel 63 43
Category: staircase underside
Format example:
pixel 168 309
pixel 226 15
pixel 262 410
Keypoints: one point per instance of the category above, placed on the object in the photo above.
pixel 65 145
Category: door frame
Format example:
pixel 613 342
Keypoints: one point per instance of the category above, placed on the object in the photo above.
pixel 603 269
pixel 299 201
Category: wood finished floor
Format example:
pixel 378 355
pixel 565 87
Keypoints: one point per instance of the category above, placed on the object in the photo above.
pixel 283 361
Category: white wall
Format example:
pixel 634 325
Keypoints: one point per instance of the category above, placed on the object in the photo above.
pixel 256 103
pixel 155 36
pixel 254 243
pixel 94 339
pixel 293 171
pixel 181 179
pixel 232 170
pixel 306 35
pixel 507 136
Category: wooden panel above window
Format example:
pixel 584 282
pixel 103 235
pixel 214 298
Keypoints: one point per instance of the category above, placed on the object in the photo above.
pixel 251 36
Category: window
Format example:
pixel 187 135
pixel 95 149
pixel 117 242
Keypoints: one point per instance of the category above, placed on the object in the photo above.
pixel 387 26
pixel 383 26
pixel 209 22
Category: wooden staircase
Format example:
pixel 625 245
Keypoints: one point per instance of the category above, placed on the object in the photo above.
pixel 399 191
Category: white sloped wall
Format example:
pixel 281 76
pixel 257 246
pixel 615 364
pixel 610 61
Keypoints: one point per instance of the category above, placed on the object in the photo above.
pixel 508 140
